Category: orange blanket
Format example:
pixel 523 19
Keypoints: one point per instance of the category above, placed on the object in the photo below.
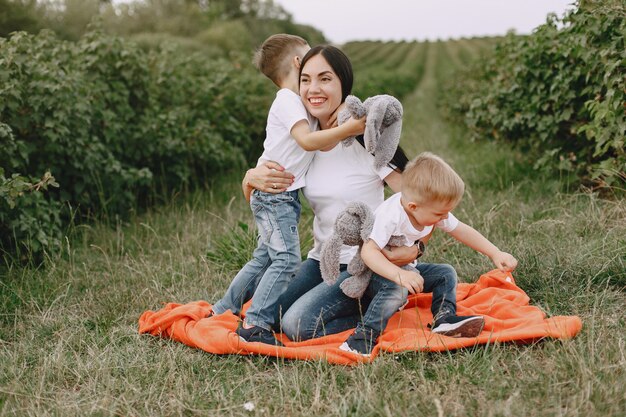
pixel 508 317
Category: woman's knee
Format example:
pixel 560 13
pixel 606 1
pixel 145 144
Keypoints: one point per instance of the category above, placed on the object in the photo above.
pixel 288 325
pixel 295 326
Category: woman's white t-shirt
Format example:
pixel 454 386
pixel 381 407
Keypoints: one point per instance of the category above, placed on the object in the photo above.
pixel 336 178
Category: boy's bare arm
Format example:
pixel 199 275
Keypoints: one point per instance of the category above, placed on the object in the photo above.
pixel 472 238
pixel 313 141
pixel 376 261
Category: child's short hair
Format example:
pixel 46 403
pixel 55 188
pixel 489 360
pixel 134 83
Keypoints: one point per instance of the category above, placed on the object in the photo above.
pixel 272 58
pixel 429 178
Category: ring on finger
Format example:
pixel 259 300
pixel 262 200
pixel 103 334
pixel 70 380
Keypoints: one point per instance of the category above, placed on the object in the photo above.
pixel 274 186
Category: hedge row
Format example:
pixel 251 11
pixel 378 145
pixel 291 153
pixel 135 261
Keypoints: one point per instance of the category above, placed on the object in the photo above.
pixel 114 125
pixel 393 68
pixel 558 94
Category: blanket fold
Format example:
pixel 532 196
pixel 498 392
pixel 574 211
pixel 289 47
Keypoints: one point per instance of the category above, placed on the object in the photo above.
pixel 508 318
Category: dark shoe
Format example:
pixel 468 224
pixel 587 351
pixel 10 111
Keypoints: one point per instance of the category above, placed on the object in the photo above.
pixel 360 344
pixel 459 326
pixel 257 334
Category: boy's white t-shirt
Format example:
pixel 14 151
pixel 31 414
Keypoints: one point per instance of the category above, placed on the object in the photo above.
pixel 336 178
pixel 279 146
pixel 391 220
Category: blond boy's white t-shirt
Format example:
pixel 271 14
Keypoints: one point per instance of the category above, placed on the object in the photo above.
pixel 391 220
pixel 279 146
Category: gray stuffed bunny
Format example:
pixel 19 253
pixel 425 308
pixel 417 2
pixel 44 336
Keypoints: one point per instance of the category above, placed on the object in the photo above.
pixel 352 227
pixel 383 125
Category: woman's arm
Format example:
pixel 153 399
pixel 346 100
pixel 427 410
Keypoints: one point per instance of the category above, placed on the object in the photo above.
pixel 269 177
pixel 394 181
pixel 401 255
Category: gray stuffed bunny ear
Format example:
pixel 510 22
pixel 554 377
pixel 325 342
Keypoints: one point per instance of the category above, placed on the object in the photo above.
pixel 329 259
pixel 365 217
pixel 383 127
pixel 355 286
pixel 387 144
pixel 355 106
pixel 352 225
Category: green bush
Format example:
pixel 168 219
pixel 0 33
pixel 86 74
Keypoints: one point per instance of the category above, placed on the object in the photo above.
pixel 18 15
pixel 244 35
pixel 29 223
pixel 119 126
pixel 261 28
pixel 227 35
pixel 148 41
pixel 558 94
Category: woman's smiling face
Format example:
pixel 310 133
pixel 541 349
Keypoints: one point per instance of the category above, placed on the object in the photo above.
pixel 320 88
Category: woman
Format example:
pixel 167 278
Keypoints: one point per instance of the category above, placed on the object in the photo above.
pixel 336 177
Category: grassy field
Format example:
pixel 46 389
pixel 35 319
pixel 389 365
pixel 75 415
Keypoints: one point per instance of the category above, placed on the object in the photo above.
pixel 68 330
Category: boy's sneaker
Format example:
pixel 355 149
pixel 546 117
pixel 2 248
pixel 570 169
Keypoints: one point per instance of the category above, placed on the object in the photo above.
pixel 360 345
pixel 257 334
pixel 459 326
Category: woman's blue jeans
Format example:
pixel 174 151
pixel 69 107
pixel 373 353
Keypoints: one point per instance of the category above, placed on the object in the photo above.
pixel 274 263
pixel 326 309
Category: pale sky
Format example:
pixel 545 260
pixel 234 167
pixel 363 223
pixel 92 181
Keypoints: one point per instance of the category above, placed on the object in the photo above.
pixel 345 20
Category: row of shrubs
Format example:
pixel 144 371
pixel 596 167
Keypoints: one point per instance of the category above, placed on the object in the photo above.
pixel 111 127
pixel 559 94
pixel 393 68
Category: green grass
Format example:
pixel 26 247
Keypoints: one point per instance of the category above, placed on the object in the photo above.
pixel 68 330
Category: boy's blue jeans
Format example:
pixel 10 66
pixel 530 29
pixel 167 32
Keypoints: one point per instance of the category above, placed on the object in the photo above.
pixel 389 297
pixel 274 263
pixel 326 309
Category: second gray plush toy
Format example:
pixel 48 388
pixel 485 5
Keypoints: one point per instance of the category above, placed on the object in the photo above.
pixel 352 227
pixel 383 125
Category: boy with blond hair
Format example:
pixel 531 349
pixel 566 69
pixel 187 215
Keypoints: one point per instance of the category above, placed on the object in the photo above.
pixel 431 189
pixel 291 138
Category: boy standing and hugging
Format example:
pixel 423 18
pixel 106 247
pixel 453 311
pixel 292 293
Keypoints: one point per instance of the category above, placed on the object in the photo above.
pixel 431 189
pixel 291 138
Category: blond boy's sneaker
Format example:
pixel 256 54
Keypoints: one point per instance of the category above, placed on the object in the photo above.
pixel 459 326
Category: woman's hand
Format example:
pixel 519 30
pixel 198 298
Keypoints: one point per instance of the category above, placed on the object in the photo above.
pixel 269 177
pixel 332 121
pixel 401 255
